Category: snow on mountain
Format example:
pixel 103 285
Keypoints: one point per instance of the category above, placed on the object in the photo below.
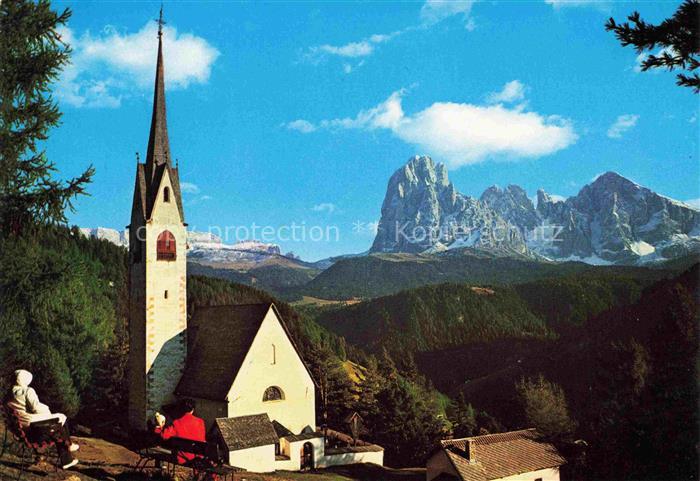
pixel 202 247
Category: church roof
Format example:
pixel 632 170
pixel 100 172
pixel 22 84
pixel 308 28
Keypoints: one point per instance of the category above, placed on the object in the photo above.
pixel 495 456
pixel 245 432
pixel 158 144
pixel 224 335
pixel 150 174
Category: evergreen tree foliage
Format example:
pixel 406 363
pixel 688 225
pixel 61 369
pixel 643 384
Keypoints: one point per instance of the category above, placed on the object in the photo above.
pixel 545 407
pixel 57 313
pixel 32 55
pixel 334 390
pixel 678 37
pixel 434 317
pixel 464 424
pixel 406 424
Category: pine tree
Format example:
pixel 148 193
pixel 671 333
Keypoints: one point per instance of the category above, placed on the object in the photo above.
pixel 678 37
pixel 32 55
pixel 545 407
pixel 405 424
pixel 335 391
pixel 464 418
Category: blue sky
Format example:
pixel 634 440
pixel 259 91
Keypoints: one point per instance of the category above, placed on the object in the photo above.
pixel 300 112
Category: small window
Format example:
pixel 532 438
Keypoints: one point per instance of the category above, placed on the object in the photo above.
pixel 273 393
pixel 274 355
pixel 166 194
pixel 165 295
pixel 165 246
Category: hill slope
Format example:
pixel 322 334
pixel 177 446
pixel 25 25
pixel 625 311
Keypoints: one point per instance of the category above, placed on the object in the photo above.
pixel 382 274
pixel 435 317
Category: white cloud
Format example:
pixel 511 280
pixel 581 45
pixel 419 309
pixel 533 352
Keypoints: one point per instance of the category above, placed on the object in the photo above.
pixel 189 188
pixel 324 207
pixel 461 133
pixel 107 67
pixel 352 50
pixel 693 118
pixel 512 91
pixel 695 203
pixel 300 125
pixel 557 198
pixel 622 124
pixel 434 11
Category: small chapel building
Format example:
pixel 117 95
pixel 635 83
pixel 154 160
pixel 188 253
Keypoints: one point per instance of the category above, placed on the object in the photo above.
pixel 238 363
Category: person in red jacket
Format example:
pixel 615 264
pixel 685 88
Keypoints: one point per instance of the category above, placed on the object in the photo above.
pixel 188 426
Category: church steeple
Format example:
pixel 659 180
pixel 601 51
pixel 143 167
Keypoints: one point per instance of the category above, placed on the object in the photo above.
pixel 158 144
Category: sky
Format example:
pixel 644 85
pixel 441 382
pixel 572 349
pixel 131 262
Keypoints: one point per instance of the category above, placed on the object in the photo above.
pixel 288 118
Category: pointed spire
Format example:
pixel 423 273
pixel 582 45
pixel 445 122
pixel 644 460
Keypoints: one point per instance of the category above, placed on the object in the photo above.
pixel 158 144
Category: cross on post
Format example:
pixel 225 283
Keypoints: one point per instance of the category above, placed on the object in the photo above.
pixel 160 22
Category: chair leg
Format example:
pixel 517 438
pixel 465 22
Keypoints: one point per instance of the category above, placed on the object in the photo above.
pixel 4 442
pixel 25 457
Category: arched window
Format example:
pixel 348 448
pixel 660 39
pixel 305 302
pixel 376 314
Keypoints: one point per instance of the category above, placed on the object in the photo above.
pixel 273 393
pixel 166 194
pixel 165 246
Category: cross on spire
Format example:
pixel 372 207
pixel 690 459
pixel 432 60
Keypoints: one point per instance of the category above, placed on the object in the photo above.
pixel 160 22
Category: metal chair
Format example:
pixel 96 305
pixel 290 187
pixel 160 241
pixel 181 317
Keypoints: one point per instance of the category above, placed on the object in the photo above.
pixel 15 439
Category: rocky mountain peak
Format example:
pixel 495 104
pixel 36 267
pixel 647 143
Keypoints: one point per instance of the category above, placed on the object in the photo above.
pixel 512 204
pixel 610 220
pixel 422 170
pixel 423 211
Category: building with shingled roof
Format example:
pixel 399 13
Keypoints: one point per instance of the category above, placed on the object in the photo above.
pixel 512 456
pixel 238 363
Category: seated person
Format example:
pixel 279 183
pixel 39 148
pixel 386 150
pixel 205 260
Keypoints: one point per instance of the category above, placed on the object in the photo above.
pixel 188 426
pixel 24 401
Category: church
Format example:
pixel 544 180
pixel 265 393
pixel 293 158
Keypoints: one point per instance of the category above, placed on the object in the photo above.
pixel 238 363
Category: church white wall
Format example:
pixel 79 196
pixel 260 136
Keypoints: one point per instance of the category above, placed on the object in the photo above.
pixel 260 459
pixel 262 368
pixel 373 457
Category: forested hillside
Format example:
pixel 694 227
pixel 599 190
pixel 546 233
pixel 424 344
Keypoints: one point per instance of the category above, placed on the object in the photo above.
pixel 382 274
pixel 441 316
pixel 435 317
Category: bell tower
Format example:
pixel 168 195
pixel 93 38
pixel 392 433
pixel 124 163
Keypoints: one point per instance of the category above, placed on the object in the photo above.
pixel 157 270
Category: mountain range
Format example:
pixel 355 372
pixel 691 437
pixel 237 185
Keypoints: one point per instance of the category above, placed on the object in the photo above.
pixel 612 220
